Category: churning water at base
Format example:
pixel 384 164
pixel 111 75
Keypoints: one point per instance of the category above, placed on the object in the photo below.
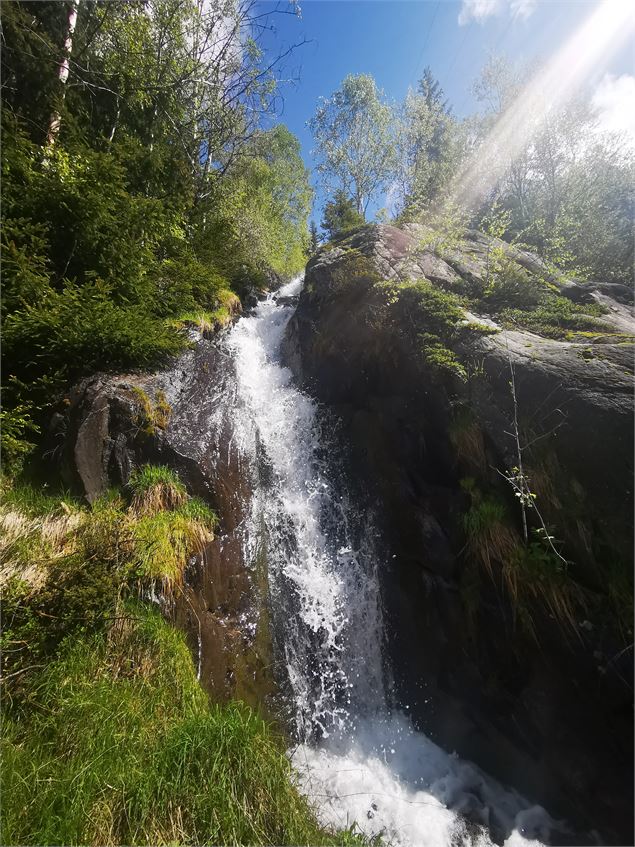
pixel 357 759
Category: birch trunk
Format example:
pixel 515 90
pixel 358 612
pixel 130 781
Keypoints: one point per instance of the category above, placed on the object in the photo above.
pixel 63 71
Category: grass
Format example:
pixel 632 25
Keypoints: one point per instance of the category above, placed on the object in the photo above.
pixel 155 488
pixel 34 500
pixel 211 321
pixel 467 438
pixel 490 538
pixel 107 737
pixel 164 542
pixel 119 746
pixel 532 575
pixel 151 416
pixel 75 555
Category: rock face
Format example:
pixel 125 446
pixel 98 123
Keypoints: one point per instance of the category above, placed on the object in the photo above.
pixel 502 651
pixel 180 418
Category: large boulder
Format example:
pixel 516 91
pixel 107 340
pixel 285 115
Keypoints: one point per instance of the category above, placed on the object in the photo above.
pixel 502 650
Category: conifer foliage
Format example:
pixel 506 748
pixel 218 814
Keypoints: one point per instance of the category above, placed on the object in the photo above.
pixel 143 178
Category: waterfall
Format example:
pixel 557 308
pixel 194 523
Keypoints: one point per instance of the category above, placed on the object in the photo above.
pixel 358 759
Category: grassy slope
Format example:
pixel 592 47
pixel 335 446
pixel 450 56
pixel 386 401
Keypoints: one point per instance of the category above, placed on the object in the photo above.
pixel 107 737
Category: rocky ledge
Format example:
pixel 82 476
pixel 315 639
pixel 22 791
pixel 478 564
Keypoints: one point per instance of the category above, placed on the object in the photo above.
pixel 463 376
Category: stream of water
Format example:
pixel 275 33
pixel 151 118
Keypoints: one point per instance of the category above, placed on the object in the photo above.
pixel 358 758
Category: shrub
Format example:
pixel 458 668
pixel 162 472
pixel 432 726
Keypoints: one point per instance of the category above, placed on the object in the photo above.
pixel 433 320
pixel 510 286
pixel 80 330
pixel 429 309
pixel 16 425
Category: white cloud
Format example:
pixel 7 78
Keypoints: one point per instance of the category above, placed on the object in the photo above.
pixel 614 100
pixel 522 9
pixel 480 10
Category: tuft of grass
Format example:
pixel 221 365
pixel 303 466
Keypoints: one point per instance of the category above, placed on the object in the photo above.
pixel 489 536
pixel 120 746
pixel 201 320
pixel 537 574
pixel 151 416
pixel 532 575
pixel 229 306
pixel 155 488
pixel 164 542
pixel 467 438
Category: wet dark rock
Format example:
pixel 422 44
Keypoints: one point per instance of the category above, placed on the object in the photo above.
pixel 105 436
pixel 535 712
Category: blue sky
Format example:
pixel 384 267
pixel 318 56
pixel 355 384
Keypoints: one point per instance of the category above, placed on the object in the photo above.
pixel 394 40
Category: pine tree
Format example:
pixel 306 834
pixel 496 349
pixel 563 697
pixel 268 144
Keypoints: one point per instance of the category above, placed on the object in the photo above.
pixel 340 214
pixel 314 238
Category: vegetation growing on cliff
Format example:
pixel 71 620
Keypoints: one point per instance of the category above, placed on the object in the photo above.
pixel 114 742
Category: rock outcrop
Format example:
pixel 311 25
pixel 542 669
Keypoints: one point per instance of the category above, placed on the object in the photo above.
pixel 178 418
pixel 502 650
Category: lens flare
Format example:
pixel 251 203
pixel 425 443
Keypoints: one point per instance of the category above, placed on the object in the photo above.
pixel 604 32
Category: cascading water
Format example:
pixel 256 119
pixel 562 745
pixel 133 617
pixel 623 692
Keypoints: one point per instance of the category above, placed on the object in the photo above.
pixel 358 759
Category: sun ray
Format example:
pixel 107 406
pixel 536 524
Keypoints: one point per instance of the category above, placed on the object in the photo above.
pixel 603 33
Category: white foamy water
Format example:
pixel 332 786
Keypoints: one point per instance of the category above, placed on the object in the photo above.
pixel 357 759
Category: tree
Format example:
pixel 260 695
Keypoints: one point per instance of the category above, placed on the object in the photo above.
pixel 63 69
pixel 355 140
pixel 568 188
pixel 340 215
pixel 314 238
pixel 138 184
pixel 429 145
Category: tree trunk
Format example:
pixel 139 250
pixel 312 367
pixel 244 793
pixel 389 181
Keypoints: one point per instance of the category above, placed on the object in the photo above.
pixel 62 72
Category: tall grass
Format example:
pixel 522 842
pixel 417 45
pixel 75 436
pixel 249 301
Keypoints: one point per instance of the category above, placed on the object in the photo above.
pixel 119 746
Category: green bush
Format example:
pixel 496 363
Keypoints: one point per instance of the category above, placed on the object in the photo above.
pixel 433 320
pixel 429 309
pixel 16 429
pixel 184 284
pixel 511 287
pixel 79 330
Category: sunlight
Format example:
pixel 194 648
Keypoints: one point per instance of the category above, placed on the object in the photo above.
pixel 603 33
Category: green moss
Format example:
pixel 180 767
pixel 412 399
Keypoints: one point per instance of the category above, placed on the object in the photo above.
pixel 555 318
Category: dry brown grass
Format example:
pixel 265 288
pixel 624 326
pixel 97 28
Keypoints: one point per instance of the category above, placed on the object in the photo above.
pixel 158 498
pixel 468 441
pixel 27 543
